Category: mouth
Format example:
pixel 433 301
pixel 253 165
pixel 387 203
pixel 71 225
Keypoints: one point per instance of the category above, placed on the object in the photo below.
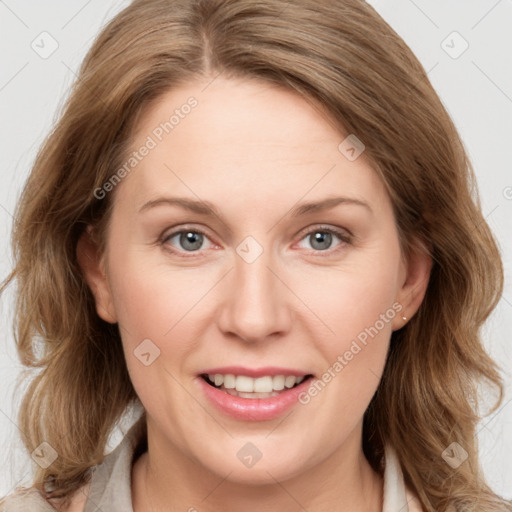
pixel 243 386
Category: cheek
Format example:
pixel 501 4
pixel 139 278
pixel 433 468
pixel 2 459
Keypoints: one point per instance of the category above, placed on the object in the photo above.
pixel 354 356
pixel 352 297
pixel 156 304
pixel 156 320
pixel 356 306
pixel 150 298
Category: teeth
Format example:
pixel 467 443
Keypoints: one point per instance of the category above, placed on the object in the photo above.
pixel 242 384
pixel 289 382
pixel 278 382
pixel 251 395
pixel 263 385
pixel 229 381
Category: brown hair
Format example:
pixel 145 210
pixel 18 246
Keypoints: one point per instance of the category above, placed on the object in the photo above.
pixel 342 55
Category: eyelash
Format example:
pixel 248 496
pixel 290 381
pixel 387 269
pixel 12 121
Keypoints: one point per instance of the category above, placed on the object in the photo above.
pixel 344 236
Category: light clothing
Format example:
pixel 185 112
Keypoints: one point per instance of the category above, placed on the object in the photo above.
pixel 110 486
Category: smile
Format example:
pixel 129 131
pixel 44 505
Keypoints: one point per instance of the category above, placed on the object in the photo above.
pixel 244 386
pixel 259 397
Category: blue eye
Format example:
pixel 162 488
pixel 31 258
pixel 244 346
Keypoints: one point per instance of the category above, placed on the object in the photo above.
pixel 321 238
pixel 191 240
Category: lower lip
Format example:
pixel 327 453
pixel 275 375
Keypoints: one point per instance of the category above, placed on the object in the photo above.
pixel 253 409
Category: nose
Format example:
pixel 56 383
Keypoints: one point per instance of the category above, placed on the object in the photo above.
pixel 256 302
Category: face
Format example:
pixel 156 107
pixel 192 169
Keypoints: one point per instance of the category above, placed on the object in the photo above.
pixel 261 289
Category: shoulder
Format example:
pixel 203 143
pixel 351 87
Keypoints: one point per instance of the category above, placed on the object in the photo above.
pixel 25 498
pixel 29 498
pixel 109 479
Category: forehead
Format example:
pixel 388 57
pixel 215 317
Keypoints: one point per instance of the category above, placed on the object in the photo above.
pixel 243 138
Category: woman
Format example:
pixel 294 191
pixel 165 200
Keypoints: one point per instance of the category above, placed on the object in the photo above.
pixel 254 221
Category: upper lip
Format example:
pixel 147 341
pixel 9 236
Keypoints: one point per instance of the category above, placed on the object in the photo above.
pixel 255 372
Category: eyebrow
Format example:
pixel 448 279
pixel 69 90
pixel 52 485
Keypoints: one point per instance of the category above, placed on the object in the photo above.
pixel 208 209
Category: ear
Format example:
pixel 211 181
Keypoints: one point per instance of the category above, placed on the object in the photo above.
pixel 416 274
pixel 93 268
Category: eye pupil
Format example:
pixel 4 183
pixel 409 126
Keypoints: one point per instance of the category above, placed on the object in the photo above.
pixel 192 241
pixel 321 237
pixel 190 237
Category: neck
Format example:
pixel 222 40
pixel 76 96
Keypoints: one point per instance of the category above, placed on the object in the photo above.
pixel 164 480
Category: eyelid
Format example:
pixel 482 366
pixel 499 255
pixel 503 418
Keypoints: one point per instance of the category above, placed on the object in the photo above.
pixel 172 232
pixel 343 234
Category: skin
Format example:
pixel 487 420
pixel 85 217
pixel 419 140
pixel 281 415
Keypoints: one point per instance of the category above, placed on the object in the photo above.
pixel 254 151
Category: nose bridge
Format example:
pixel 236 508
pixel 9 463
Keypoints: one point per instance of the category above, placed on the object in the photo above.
pixel 256 303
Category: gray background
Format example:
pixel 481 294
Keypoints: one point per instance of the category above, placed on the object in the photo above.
pixel 474 85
